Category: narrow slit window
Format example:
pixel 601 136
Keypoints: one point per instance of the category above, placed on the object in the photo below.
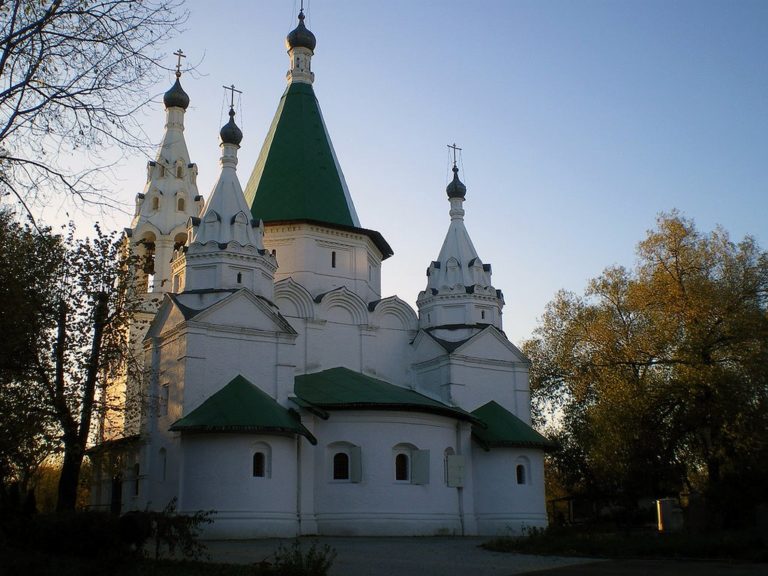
pixel 180 205
pixel 402 471
pixel 179 171
pixel 482 314
pixel 520 471
pixel 259 465
pixel 239 277
pixel 333 259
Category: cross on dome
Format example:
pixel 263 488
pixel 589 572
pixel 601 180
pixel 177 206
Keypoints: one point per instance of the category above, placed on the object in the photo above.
pixel 180 55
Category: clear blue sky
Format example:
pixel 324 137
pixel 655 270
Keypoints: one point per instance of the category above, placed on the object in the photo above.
pixel 579 120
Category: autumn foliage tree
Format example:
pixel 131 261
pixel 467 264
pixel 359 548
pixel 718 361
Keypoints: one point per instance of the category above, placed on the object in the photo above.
pixel 657 377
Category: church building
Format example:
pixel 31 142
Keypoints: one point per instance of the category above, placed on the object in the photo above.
pixel 280 388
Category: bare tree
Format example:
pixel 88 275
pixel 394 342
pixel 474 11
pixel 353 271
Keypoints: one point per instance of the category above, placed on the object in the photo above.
pixel 72 75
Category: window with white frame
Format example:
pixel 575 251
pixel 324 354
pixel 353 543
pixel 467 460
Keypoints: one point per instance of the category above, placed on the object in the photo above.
pixel 410 465
pixel 261 460
pixel 345 462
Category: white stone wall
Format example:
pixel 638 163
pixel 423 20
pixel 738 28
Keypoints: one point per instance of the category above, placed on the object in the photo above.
pixel 502 506
pixel 379 504
pixel 217 471
pixel 305 252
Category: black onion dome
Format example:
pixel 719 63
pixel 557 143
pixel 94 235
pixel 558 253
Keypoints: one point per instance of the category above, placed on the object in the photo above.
pixel 176 97
pixel 301 37
pixel 230 133
pixel 456 188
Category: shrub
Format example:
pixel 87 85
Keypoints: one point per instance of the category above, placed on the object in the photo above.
pixel 295 561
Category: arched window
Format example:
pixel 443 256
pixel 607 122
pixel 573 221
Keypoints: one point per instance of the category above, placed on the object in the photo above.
pixel 155 203
pixel 239 277
pixel 162 171
pixel 261 462
pixel 180 204
pixel 402 468
pixel 411 465
pixel 259 465
pixel 520 473
pixel 179 171
pixel 341 466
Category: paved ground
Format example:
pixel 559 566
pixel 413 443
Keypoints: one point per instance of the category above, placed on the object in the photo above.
pixel 657 567
pixel 463 556
pixel 435 556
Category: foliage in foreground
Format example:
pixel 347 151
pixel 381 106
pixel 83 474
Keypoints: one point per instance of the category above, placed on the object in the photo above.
pixel 658 375
pixel 579 541
pixel 293 560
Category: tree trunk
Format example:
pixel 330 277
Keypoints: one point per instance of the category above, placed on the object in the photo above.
pixel 76 438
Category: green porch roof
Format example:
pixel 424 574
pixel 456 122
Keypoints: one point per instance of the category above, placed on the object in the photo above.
pixel 345 389
pixel 505 429
pixel 297 176
pixel 241 407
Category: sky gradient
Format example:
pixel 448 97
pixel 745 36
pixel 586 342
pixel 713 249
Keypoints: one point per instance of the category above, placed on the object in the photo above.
pixel 579 121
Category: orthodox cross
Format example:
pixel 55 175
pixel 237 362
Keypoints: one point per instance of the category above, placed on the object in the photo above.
pixel 180 55
pixel 455 149
pixel 232 90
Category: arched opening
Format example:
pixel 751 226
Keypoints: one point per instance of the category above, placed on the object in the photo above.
pixel 155 203
pixel 341 466
pixel 520 473
pixel 180 204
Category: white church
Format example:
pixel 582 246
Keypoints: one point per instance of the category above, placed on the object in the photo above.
pixel 280 389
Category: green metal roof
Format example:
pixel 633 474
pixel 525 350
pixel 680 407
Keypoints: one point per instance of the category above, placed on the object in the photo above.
pixel 342 388
pixel 296 176
pixel 505 429
pixel 241 407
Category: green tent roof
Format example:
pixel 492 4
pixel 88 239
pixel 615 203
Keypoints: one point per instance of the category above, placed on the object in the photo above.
pixel 296 176
pixel 341 388
pixel 505 429
pixel 241 407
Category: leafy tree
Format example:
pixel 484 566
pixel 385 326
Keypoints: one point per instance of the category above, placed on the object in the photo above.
pixel 658 376
pixel 72 74
pixel 65 307
pixel 29 263
pixel 88 344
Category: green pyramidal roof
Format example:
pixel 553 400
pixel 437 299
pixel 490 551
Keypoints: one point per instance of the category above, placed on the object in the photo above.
pixel 505 429
pixel 297 176
pixel 241 407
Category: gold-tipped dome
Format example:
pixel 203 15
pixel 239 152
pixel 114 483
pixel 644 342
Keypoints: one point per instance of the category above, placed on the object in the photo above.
pixel 301 37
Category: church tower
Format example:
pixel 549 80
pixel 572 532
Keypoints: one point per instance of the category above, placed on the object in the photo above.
pixel 224 249
pixel 169 199
pixel 298 190
pixel 459 300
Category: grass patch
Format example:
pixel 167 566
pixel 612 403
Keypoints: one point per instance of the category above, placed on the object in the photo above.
pixel 571 541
